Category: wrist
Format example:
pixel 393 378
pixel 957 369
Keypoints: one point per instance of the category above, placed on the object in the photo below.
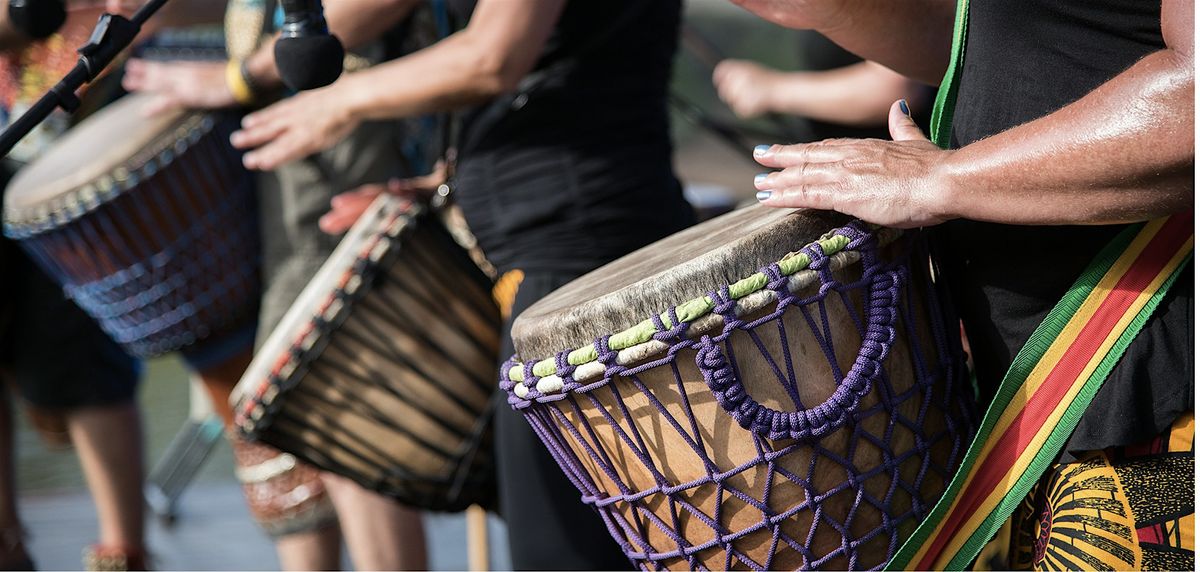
pixel 239 84
pixel 944 188
pixel 357 96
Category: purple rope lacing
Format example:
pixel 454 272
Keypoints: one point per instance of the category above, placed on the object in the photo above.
pixel 776 434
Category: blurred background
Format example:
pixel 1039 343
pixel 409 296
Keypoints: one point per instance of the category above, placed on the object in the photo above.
pixel 213 530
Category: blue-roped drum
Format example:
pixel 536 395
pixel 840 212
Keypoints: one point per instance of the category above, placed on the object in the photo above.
pixel 150 225
pixel 382 370
pixel 767 390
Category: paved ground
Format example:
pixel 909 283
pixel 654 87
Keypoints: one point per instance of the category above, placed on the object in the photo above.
pixel 213 533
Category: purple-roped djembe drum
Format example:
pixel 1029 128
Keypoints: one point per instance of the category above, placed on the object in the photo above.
pixel 150 224
pixel 767 390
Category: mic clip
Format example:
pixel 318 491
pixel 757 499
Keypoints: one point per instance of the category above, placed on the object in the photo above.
pixel 110 36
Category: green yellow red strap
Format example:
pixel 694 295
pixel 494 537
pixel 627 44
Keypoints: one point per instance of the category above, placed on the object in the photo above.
pixel 1045 392
pixel 947 95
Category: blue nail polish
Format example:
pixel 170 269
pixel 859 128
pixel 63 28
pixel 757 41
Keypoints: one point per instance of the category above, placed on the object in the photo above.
pixel 904 108
pixel 759 178
pixel 763 195
pixel 761 150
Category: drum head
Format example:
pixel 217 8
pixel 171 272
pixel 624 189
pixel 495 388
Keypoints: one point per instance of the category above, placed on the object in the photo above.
pixel 681 267
pixel 117 136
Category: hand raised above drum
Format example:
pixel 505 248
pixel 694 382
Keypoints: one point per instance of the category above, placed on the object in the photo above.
pixel 893 183
pixel 196 85
pixel 347 207
pixel 295 128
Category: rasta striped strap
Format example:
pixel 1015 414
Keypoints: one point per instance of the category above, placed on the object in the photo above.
pixel 1046 390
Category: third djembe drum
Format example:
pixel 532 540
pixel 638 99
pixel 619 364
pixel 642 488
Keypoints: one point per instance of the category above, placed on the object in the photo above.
pixel 767 390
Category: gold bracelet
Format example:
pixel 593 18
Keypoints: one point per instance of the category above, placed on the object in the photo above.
pixel 242 92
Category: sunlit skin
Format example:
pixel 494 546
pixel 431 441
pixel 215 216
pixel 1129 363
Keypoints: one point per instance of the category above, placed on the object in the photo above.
pixel 202 85
pixel 1123 153
pixel 499 46
pixel 858 94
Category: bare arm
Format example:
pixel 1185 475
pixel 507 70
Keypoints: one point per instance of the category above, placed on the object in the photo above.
pixel 858 94
pixel 354 22
pixel 912 37
pixel 498 47
pixel 1123 153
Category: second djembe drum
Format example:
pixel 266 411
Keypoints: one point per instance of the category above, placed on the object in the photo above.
pixel 381 370
pixel 151 225
pixel 767 390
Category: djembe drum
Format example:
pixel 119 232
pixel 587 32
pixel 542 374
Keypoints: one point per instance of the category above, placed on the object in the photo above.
pixel 759 391
pixel 150 224
pixel 382 369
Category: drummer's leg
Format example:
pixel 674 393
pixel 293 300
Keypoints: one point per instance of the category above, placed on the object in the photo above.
pixel 94 392
pixel 376 530
pixel 380 533
pixel 548 526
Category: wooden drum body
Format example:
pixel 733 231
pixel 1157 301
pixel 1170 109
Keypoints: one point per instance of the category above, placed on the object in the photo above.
pixel 151 225
pixel 382 370
pixel 807 415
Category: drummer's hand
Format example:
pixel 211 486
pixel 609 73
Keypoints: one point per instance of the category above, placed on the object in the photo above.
pixel 892 183
pixel 294 128
pixel 196 85
pixel 347 207
pixel 744 86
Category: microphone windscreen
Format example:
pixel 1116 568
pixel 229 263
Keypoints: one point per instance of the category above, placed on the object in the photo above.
pixel 37 19
pixel 309 62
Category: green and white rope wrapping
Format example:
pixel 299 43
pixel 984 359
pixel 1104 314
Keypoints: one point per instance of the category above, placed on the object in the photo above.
pixel 637 343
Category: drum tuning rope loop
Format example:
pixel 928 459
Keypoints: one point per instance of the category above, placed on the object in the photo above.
pixel 638 439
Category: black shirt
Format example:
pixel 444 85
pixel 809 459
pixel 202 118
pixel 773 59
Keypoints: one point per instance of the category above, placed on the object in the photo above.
pixel 1025 59
pixel 574 169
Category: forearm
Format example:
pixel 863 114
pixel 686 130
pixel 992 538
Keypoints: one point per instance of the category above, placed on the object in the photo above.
pixel 858 94
pixel 354 22
pixel 1123 153
pixel 448 75
pixel 912 37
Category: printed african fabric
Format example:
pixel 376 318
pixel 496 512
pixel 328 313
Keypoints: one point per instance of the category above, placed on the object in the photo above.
pixel 1129 508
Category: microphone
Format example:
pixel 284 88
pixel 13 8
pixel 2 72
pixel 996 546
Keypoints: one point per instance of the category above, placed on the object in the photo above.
pixel 306 55
pixel 38 19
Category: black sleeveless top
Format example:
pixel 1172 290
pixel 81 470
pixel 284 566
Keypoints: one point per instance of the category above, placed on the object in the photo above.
pixel 1025 59
pixel 574 169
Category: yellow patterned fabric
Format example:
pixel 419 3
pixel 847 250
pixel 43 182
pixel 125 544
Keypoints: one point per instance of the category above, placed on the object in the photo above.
pixel 505 291
pixel 1127 508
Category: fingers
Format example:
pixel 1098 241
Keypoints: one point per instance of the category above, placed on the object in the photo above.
pixel 278 152
pixel 804 174
pixel 815 196
pixel 783 156
pixel 258 134
pixel 347 208
pixel 901 124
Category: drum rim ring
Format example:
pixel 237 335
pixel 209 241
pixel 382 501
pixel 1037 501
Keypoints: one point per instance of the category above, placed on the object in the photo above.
pixel 636 344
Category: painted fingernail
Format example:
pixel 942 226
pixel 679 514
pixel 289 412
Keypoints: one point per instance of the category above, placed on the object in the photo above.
pixel 759 178
pixel 904 107
pixel 763 195
pixel 762 150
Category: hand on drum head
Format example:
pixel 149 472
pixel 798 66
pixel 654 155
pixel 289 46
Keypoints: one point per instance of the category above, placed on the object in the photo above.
pixel 195 85
pixel 893 183
pixel 348 206
pixel 295 128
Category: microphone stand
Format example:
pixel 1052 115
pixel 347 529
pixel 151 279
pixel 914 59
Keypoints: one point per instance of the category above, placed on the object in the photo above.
pixel 110 37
